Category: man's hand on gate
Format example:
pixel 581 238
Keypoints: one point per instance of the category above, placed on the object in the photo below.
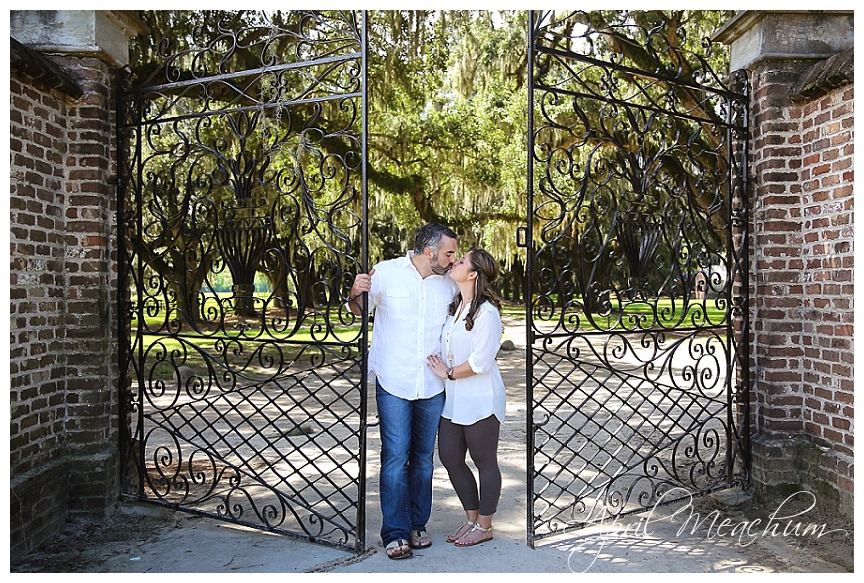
pixel 362 284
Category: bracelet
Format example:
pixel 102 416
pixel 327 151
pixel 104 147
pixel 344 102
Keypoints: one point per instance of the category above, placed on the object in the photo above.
pixel 450 374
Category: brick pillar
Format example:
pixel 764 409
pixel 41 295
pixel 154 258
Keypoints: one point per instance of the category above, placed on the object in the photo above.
pixel 827 174
pixel 63 285
pixel 777 243
pixel 91 286
pixel 801 161
pixel 37 289
pixel 64 346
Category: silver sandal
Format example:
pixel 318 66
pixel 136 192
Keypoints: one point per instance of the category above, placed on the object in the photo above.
pixel 453 538
pixel 478 528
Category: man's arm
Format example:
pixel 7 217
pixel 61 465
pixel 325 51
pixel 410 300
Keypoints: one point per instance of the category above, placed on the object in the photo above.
pixel 362 284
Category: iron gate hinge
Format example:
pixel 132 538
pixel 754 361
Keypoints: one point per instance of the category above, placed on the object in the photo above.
pixel 521 237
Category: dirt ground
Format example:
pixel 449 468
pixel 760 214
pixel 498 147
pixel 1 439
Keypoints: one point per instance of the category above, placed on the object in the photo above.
pixel 808 552
pixel 85 546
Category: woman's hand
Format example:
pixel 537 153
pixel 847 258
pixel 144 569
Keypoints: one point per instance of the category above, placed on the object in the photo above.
pixel 437 365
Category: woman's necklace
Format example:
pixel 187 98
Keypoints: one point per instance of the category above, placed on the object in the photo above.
pixel 465 302
pixel 450 330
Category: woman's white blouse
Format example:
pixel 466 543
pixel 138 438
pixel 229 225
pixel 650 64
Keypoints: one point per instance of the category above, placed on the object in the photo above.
pixel 473 398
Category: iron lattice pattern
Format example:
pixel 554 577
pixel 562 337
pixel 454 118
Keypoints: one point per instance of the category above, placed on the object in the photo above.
pixel 633 268
pixel 241 219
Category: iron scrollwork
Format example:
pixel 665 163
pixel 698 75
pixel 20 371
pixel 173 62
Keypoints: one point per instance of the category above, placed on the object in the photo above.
pixel 241 221
pixel 636 175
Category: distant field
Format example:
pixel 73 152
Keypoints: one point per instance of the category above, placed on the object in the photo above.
pixel 248 345
pixel 661 312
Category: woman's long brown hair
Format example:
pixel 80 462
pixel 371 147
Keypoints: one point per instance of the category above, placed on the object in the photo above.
pixel 487 271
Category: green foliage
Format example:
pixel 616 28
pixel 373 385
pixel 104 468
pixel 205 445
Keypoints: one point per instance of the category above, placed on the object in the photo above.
pixel 630 172
pixel 447 111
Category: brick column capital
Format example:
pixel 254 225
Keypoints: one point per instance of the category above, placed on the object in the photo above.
pixel 802 35
pixel 104 34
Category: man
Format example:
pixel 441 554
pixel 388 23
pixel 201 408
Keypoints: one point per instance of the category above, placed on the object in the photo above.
pixel 410 296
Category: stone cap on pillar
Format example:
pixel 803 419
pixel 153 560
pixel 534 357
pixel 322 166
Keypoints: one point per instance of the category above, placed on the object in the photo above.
pixel 103 34
pixel 758 35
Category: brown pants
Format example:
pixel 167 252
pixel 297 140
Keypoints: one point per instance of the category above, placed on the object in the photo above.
pixel 480 439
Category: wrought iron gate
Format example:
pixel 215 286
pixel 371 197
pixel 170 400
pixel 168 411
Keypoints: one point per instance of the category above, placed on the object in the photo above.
pixel 636 271
pixel 242 182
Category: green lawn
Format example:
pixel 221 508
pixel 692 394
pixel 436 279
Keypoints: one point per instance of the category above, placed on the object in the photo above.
pixel 662 313
pixel 170 347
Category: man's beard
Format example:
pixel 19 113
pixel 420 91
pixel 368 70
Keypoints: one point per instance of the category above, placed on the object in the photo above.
pixel 437 268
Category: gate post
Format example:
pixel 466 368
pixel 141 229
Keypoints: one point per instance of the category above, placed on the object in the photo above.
pixel 64 369
pixel 802 235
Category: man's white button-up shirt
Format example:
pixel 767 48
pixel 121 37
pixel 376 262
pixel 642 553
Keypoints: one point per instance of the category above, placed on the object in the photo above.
pixel 409 313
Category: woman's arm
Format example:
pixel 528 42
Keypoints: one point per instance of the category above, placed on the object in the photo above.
pixel 442 371
pixel 485 340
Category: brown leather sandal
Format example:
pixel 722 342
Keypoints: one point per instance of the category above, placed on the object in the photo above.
pixel 401 548
pixel 418 539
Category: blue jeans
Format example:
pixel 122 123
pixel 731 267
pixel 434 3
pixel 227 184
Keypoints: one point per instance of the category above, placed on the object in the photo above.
pixel 408 430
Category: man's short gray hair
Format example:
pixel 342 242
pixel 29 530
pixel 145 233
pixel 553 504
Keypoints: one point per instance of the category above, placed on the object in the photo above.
pixel 429 235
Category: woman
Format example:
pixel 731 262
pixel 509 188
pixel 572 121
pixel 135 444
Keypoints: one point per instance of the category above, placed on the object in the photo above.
pixel 474 402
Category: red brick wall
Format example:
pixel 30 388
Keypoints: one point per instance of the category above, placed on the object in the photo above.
pixel 802 279
pixel 827 177
pixel 63 341
pixel 37 278
pixel 827 174
pixel 777 238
